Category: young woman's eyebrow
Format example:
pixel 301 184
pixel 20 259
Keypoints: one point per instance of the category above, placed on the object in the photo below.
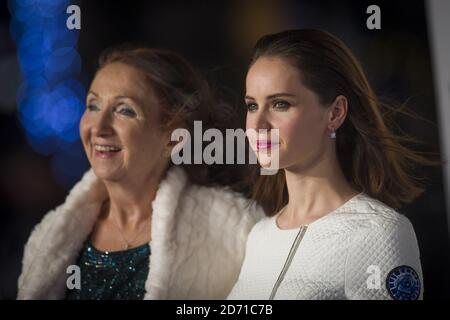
pixel 279 95
pixel 273 96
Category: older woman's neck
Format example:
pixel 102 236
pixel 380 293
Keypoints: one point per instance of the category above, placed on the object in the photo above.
pixel 131 199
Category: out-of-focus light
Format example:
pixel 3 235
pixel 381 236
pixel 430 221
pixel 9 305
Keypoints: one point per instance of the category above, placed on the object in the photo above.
pixel 50 99
pixel 61 64
pixel 51 8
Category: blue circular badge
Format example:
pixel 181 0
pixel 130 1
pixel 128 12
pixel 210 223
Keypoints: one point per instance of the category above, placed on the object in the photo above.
pixel 403 283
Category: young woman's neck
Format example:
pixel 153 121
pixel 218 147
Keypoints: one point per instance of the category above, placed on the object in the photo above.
pixel 314 192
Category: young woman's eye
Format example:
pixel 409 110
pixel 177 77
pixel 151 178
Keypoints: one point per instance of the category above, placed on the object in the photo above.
pixel 126 111
pixel 91 107
pixel 251 107
pixel 281 105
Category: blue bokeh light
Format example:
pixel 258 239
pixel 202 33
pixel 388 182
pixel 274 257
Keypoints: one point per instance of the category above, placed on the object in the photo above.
pixel 50 99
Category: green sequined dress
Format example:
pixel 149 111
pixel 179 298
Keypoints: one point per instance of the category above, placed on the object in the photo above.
pixel 116 275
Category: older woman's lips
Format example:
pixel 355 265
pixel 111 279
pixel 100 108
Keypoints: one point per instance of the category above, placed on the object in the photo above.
pixel 106 151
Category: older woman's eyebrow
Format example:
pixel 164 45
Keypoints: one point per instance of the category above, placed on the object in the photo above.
pixel 132 98
pixel 92 92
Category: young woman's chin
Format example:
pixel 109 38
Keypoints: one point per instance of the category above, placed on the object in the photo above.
pixel 267 161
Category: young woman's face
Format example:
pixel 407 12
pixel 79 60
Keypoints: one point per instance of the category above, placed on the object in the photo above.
pixel 120 128
pixel 277 99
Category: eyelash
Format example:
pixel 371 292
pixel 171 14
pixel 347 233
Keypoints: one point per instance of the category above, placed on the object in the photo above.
pixel 91 107
pixel 121 110
pixel 126 111
pixel 285 103
pixel 252 106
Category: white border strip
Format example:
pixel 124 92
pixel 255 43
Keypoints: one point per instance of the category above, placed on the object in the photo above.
pixel 438 19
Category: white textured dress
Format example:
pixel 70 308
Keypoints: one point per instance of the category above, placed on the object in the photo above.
pixel 362 250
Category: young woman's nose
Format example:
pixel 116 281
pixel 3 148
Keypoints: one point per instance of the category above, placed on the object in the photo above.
pixel 261 121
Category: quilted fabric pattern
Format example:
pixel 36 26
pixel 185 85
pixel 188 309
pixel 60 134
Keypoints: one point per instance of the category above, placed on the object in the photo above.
pixel 346 254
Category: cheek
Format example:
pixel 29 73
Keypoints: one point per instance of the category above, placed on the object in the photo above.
pixel 84 128
pixel 249 122
pixel 301 129
pixel 251 131
pixel 146 141
pixel 130 137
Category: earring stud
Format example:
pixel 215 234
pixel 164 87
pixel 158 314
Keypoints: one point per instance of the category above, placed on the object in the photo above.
pixel 333 134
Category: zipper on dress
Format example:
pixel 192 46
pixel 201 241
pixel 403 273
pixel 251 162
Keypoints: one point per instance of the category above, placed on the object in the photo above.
pixel 288 261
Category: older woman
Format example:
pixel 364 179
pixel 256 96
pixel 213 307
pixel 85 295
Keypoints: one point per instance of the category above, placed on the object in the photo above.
pixel 135 225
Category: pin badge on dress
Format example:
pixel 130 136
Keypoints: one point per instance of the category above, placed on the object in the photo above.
pixel 403 283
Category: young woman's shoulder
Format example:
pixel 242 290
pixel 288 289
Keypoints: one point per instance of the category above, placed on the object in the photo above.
pixel 379 228
pixel 382 251
pixel 365 212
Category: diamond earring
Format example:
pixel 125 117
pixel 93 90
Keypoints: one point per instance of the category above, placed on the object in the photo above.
pixel 333 134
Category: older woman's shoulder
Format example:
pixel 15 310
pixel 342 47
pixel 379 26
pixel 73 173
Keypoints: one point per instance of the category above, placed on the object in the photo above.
pixel 79 201
pixel 222 205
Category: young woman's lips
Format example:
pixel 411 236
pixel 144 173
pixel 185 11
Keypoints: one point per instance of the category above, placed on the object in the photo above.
pixel 106 151
pixel 264 145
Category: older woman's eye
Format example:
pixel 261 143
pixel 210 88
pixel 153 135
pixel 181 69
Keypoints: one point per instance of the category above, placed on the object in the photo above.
pixel 91 107
pixel 126 111
pixel 251 107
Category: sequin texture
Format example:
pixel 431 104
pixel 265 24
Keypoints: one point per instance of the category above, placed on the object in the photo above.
pixel 116 275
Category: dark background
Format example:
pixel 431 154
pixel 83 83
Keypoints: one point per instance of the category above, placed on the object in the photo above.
pixel 217 37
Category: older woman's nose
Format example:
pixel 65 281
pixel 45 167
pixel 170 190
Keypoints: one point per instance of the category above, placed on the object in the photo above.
pixel 102 125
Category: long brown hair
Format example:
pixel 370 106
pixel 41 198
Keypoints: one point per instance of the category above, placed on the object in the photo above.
pixel 185 96
pixel 373 158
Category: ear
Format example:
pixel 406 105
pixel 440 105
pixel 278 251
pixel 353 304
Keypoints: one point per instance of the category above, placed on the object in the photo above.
pixel 337 112
pixel 176 140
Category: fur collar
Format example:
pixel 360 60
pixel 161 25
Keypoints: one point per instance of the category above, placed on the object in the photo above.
pixel 55 243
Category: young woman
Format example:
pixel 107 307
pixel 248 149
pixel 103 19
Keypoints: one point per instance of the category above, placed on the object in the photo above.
pixel 332 230
pixel 136 226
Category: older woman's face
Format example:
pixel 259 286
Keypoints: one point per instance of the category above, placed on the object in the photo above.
pixel 120 127
pixel 277 99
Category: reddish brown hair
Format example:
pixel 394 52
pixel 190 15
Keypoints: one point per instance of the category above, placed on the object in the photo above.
pixel 185 96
